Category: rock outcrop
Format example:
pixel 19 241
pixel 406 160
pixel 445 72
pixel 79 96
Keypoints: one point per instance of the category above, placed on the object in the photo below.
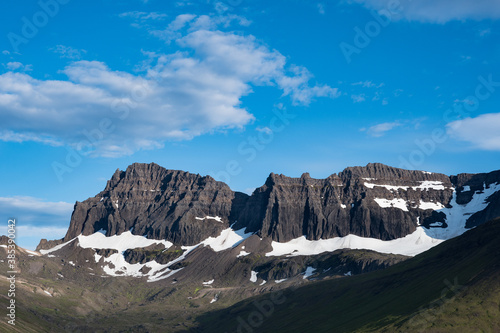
pixel 374 201
pixel 159 203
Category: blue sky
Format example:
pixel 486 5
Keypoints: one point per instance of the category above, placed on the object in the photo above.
pixel 238 89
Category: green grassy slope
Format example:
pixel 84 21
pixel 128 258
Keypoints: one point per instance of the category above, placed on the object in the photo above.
pixel 452 287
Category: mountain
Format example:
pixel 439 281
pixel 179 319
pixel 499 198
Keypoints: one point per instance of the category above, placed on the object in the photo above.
pixel 454 287
pixel 375 201
pixel 163 247
pixel 66 290
pixel 150 221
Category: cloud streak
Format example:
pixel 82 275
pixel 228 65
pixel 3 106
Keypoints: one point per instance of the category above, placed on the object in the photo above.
pixel 482 132
pixel 438 11
pixel 34 206
pixel 178 96
pixel 380 130
pixel 68 52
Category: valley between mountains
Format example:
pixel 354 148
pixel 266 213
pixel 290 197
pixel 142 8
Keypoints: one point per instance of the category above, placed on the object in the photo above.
pixel 367 249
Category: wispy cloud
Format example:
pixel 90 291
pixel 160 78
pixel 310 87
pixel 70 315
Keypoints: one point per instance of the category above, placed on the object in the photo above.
pixel 265 129
pixel 17 66
pixel 186 23
pixel 484 32
pixel 68 52
pixel 438 11
pixel 47 232
pixel 34 205
pixel 35 219
pixel 10 136
pixel 29 236
pixel 381 129
pixel 321 8
pixel 358 98
pixel 482 131
pixel 144 15
pixel 182 95
pixel 368 84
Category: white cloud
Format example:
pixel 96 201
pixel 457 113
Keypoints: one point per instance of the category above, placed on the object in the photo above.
pixel 68 52
pixel 29 236
pixel 265 129
pixel 35 219
pixel 481 131
pixel 438 11
pixel 397 92
pixel 17 66
pixel 321 8
pixel 144 15
pixel 183 3
pixel 172 31
pixel 358 98
pixel 190 22
pixel 368 84
pixel 35 205
pixel 484 32
pixel 193 91
pixel 381 129
pixel 9 136
pixel 47 232
pixel 464 101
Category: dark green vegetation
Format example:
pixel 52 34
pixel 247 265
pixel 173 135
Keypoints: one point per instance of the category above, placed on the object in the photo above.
pixel 69 292
pixel 454 287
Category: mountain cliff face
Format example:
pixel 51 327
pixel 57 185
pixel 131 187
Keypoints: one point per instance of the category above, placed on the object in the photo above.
pixel 158 203
pixel 376 201
pixel 344 204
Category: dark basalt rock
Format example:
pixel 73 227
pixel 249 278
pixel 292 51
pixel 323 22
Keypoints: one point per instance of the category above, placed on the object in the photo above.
pixel 45 244
pixel 106 253
pixel 340 262
pixel 286 208
pixel 165 204
pixel 4 240
pixel 158 203
pixel 154 252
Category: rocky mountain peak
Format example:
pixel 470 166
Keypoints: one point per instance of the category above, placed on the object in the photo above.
pixel 376 201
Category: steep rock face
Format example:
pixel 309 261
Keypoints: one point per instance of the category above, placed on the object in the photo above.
pixel 286 208
pixel 159 203
pixel 468 184
pixel 374 201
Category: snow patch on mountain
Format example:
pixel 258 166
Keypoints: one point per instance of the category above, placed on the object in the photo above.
pixel 242 254
pixel 228 238
pixel 253 276
pixel 116 265
pixel 216 218
pixel 424 185
pixel 421 240
pixel 122 242
pixel 430 205
pixel 309 271
pixel 457 215
pixel 393 203
pixel 409 245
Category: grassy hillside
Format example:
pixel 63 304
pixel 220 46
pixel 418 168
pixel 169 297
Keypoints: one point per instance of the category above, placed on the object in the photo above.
pixel 453 287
